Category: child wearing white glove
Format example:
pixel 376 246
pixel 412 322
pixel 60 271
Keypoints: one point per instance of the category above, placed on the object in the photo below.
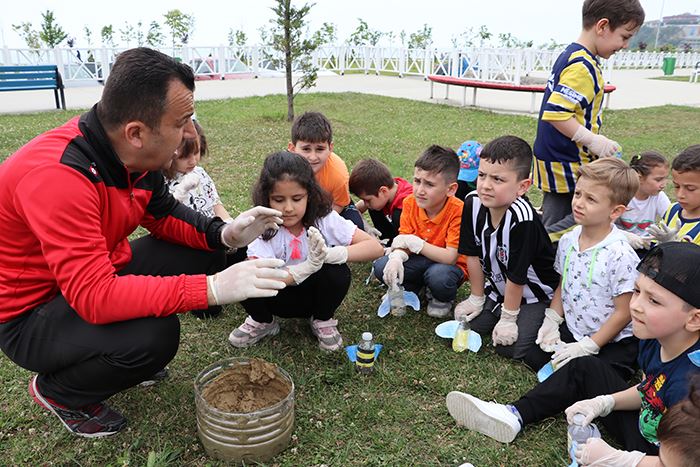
pixel 192 186
pixel 189 183
pixel 666 312
pixel 589 314
pixel 681 221
pixel 509 255
pixel 649 202
pixel 314 243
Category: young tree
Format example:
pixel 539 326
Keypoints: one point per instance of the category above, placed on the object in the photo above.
pixel 127 34
pixel 289 36
pixel 154 37
pixel 325 35
pixel 509 41
pixel 51 33
pixel 484 35
pixel 29 34
pixel 237 37
pixel 181 26
pixel 139 35
pixel 107 34
pixel 364 35
pixel 87 32
pixel 421 39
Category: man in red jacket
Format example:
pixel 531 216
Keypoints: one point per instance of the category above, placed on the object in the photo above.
pixel 90 312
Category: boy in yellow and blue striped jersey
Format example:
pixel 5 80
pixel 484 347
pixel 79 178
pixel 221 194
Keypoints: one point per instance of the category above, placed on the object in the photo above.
pixel 681 222
pixel 568 129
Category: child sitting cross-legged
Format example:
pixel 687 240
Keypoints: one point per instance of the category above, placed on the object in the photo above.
pixel 314 242
pixel 424 254
pixel 509 255
pixel 666 318
pixel 589 314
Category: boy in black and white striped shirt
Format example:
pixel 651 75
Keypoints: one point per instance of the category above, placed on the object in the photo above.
pixel 509 255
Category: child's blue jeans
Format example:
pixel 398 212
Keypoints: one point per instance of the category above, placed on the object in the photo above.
pixel 442 280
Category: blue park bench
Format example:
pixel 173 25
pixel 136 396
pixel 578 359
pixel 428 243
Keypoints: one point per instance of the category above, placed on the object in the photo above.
pixel 33 77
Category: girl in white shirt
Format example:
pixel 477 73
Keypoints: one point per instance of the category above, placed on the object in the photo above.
pixel 649 203
pixel 314 242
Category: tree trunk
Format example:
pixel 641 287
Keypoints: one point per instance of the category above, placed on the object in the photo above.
pixel 288 59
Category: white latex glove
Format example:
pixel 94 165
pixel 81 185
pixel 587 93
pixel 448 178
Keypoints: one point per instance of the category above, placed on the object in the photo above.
pixel 637 241
pixel 409 242
pixel 663 233
pixel 375 233
pixel 599 406
pixel 506 330
pixel 247 279
pixel 597 453
pixel 393 269
pixel 470 308
pixel 337 255
pixel 567 352
pixel 548 336
pixel 314 260
pixel 249 225
pixel 187 183
pixel 597 144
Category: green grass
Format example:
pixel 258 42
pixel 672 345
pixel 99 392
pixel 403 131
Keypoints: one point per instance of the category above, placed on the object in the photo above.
pixel 396 416
pixel 675 78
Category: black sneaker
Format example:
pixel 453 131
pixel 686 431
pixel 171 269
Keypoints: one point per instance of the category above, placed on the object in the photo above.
pixel 90 421
pixel 155 378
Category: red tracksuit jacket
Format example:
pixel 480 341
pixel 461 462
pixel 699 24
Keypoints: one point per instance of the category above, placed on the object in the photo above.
pixel 67 206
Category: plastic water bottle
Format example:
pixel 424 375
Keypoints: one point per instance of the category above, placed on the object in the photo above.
pixel 365 354
pixel 578 433
pixel 460 342
pixel 396 300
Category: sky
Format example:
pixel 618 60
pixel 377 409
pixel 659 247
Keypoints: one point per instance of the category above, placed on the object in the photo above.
pixel 524 19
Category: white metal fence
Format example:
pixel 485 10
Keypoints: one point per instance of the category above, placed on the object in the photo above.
pixel 487 64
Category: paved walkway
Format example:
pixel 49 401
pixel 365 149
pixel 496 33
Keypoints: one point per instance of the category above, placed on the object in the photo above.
pixel 634 90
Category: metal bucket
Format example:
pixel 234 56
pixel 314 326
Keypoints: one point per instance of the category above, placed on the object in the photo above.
pixel 243 437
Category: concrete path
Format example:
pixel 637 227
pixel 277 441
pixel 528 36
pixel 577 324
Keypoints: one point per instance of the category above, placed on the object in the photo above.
pixel 634 90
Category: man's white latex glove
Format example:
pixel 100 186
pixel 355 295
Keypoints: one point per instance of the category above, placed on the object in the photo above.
pixel 567 352
pixel 548 336
pixel 599 406
pixel 393 269
pixel 597 453
pixel 409 242
pixel 337 255
pixel 470 308
pixel 637 241
pixel 247 279
pixel 506 330
pixel 597 144
pixel 314 260
pixel 188 182
pixel 249 225
pixel 663 233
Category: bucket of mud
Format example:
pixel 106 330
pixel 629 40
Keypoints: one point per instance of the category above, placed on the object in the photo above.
pixel 245 409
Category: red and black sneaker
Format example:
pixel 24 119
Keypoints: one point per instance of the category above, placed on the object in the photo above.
pixel 90 421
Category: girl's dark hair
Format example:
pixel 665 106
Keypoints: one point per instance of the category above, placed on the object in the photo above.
pixel 284 165
pixel 190 146
pixel 644 162
pixel 679 428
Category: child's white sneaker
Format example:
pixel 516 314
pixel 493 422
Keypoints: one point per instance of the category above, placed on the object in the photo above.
pixel 250 332
pixel 438 309
pixel 326 331
pixel 489 418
